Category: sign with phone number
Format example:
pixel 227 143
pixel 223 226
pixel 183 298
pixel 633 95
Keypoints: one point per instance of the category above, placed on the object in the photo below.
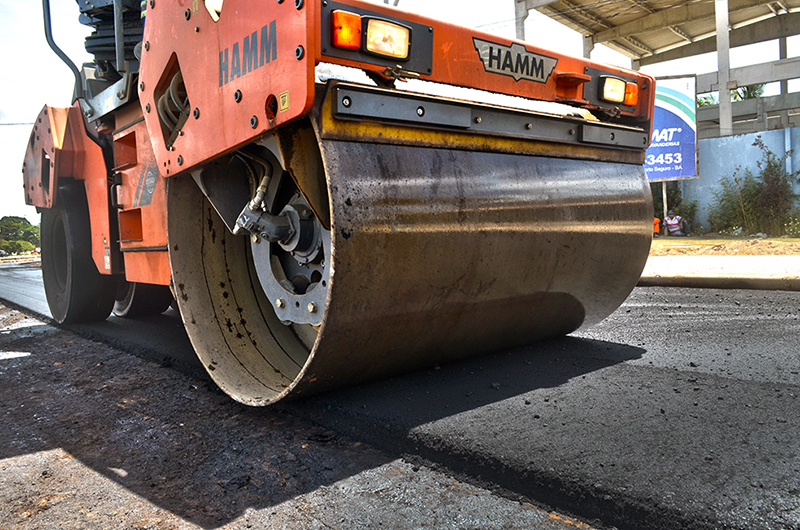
pixel 672 150
pixel 664 159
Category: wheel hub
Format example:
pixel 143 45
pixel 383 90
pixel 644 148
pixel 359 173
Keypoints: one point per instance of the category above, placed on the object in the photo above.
pixel 295 273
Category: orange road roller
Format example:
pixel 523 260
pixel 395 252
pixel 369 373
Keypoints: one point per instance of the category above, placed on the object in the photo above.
pixel 336 191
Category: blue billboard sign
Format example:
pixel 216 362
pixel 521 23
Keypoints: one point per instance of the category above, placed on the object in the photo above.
pixel 672 152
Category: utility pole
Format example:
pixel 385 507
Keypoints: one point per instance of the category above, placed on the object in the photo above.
pixel 782 54
pixel 724 69
pixel 521 13
pixel 521 9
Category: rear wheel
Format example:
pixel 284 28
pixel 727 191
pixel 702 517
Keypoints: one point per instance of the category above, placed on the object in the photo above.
pixel 75 290
pixel 141 299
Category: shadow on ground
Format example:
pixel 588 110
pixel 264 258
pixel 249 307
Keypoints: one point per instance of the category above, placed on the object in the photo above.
pixel 187 448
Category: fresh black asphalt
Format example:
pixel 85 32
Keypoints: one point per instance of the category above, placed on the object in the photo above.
pixel 678 411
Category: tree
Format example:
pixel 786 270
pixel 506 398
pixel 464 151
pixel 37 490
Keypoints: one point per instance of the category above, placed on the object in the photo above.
pixel 740 94
pixel 762 202
pixel 17 234
pixel 747 92
pixel 707 100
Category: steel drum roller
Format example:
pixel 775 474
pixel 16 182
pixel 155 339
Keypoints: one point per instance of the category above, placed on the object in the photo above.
pixel 437 254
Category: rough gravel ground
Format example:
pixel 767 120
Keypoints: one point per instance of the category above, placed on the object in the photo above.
pixel 92 438
pixel 704 246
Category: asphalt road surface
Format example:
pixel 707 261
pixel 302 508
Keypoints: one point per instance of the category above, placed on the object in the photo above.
pixel 678 411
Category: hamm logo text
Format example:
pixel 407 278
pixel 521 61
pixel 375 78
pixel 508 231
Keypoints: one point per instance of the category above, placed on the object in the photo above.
pixel 252 56
pixel 514 61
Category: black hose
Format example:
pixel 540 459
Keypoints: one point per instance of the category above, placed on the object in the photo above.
pixel 48 32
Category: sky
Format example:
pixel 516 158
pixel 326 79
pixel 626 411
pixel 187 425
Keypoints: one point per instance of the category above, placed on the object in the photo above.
pixel 33 76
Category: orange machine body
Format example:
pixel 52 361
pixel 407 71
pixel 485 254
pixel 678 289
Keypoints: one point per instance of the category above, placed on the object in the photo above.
pixel 252 70
pixel 244 75
pixel 139 195
pixel 59 147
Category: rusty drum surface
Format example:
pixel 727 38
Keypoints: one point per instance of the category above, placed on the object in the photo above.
pixel 437 254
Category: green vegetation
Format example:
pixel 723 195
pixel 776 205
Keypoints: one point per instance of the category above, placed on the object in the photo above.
pixel 764 202
pixel 747 92
pixel 740 94
pixel 18 235
pixel 675 201
pixel 707 100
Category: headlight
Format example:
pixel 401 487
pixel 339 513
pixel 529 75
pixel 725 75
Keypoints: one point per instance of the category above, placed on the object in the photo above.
pixel 615 90
pixel 388 38
pixel 612 89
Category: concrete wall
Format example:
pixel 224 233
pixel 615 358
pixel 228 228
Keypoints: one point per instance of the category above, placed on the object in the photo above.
pixel 719 157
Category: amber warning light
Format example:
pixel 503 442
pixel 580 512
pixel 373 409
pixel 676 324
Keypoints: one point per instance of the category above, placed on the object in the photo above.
pixel 382 37
pixel 346 30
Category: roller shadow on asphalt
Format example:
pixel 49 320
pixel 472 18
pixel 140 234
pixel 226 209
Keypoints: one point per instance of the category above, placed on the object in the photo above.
pixel 385 412
pixel 172 440
pixel 116 412
pixel 158 338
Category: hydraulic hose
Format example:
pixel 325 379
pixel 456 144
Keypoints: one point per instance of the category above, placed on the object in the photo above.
pixel 48 32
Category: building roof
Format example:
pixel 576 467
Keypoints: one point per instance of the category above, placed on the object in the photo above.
pixel 651 31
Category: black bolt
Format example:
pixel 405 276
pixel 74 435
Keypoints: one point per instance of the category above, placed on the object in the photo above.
pixel 298 4
pixel 196 29
pixel 299 53
pixel 253 122
pixel 147 46
pixel 280 1
pixel 196 113
pixel 141 86
pixel 237 96
pixel 180 160
pixel 147 107
pixel 187 14
pixel 152 4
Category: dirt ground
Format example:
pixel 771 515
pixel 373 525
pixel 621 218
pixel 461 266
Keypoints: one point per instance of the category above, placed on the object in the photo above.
pixel 703 246
pixel 94 438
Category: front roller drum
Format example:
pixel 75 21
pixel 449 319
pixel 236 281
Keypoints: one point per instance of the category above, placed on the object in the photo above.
pixel 434 255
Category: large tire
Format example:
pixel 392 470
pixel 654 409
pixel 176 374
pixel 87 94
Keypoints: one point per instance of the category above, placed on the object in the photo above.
pixel 76 291
pixel 141 299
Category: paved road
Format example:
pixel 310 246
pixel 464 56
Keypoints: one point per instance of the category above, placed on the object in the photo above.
pixel 679 411
pixel 164 341
pixel 21 283
pixel 94 438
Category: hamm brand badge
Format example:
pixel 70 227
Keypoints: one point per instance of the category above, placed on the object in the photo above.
pixel 514 61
